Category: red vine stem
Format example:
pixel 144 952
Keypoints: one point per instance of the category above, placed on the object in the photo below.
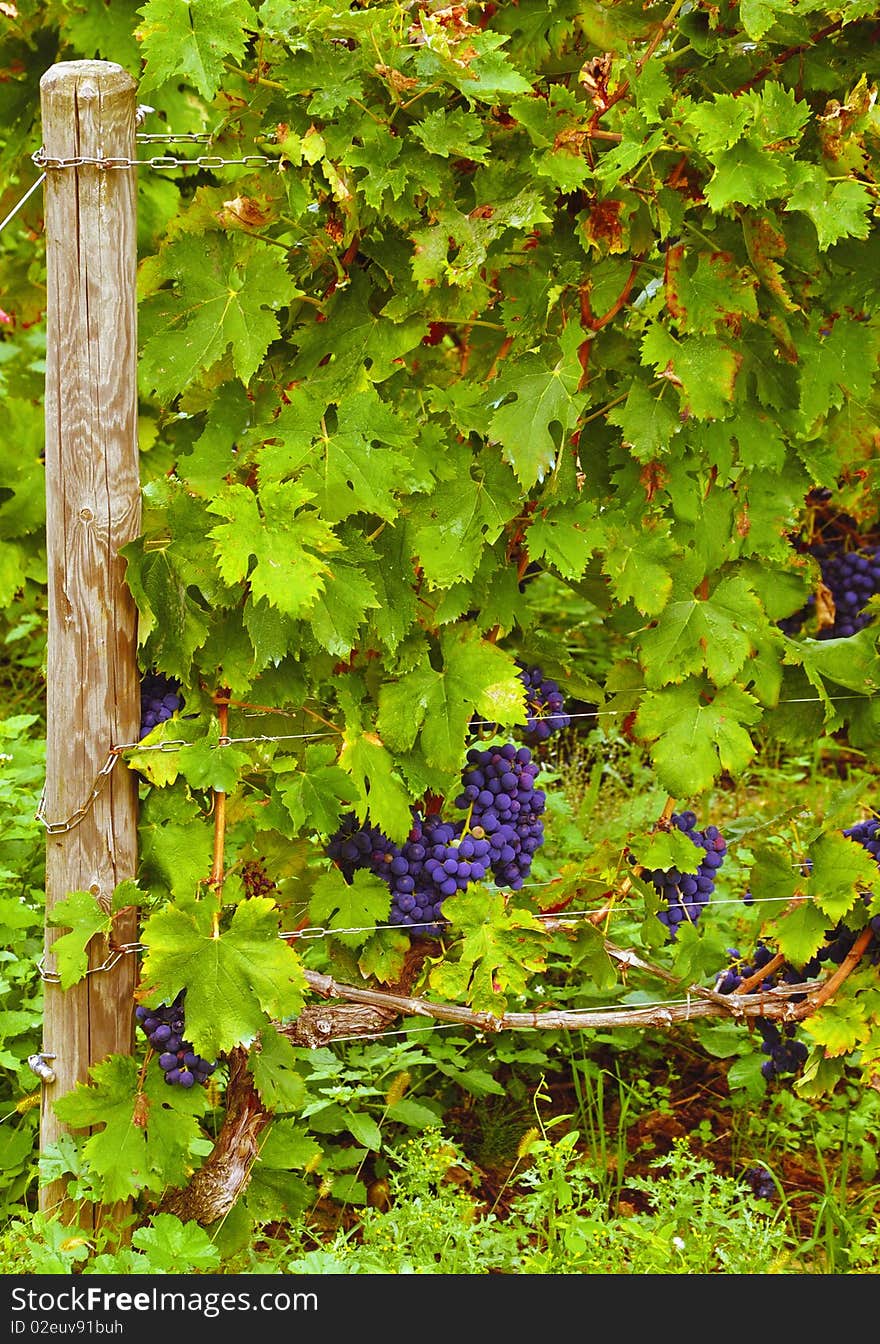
pixel 221 699
pixel 833 983
pixel 787 55
pixel 642 61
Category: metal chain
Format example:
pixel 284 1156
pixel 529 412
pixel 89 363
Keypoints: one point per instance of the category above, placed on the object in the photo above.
pixel 192 137
pixel 60 827
pixel 53 978
pixel 41 160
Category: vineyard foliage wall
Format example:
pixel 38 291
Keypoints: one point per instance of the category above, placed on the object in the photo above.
pixel 550 339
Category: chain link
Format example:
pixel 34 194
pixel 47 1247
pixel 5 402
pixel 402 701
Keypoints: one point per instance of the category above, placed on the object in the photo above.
pixel 53 978
pixel 42 160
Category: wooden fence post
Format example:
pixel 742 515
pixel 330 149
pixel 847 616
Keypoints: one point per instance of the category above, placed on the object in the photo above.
pixel 93 508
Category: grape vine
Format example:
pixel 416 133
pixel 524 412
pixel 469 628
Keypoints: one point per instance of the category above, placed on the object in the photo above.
pixel 499 836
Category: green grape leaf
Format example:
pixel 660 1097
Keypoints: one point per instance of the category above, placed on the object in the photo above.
pixel 136 1143
pixel 208 765
pixel 715 291
pixel 839 362
pixel 316 792
pixel 696 734
pixel 455 133
pixel 841 870
pixel 359 465
pixel 273 1065
pixel 176 846
pixel 451 527
pixel 340 609
pixel 718 634
pixel 359 905
pixel 838 209
pixel 532 397
pixel 224 295
pixel 290 1147
pixel 286 541
pixel 192 41
pixel 174 1247
pixel 668 849
pixel 566 536
pixel 706 369
pixel 719 122
pixel 384 956
pixel 233 978
pixel 639 565
pixel 477 677
pixel 97 28
pixel 800 932
pixel 839 1029
pixel 382 793
pixel 773 877
pixel 171 622
pixel 647 422
pixel 499 951
pixel 746 174
pixel 82 914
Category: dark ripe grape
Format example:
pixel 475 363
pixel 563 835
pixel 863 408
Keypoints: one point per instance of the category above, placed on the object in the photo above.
pixel 690 892
pixel 164 1028
pixel 760 1182
pixel 852 577
pixel 160 698
pixel 141 1013
pixel 184 1078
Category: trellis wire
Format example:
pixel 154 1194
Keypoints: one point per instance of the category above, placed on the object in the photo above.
pixel 25 198
pixel 127 949
pixel 177 744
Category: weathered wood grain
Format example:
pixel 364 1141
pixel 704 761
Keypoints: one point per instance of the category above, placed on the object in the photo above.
pixel 93 509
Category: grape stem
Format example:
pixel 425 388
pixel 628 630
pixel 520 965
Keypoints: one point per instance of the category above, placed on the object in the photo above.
pixel 833 983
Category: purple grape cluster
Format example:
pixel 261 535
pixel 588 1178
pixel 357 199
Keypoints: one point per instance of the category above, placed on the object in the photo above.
pixel 785 1053
pixel 760 1182
pixel 160 698
pixel 852 577
pixel 164 1028
pixel 499 836
pixel 436 860
pixel 687 893
pixel 545 705
pixel 505 808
